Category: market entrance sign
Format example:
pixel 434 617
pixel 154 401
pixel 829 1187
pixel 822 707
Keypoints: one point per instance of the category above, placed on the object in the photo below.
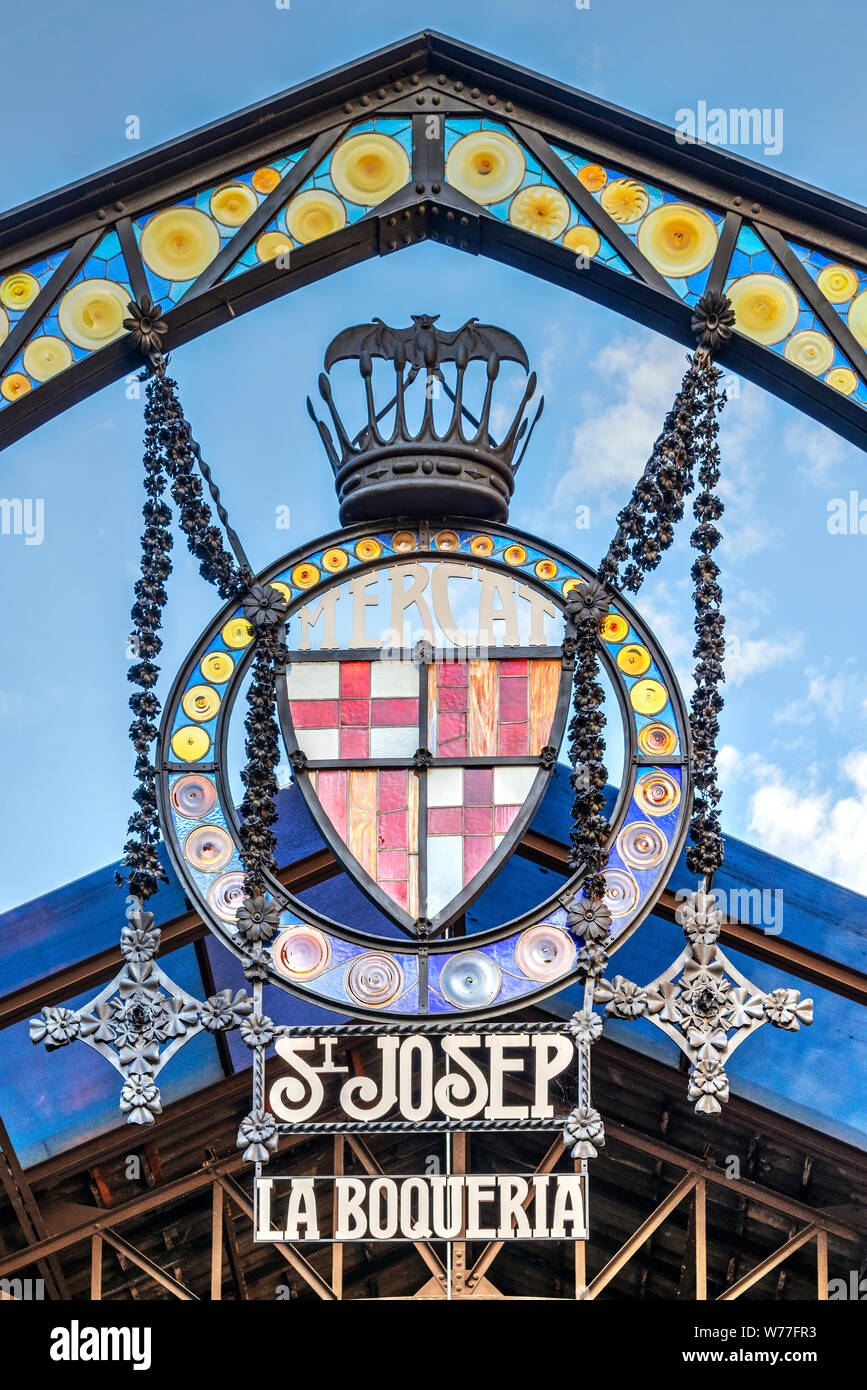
pixel 423 1080
pixel 467 1206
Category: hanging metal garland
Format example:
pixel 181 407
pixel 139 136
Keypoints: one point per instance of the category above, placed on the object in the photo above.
pixel 701 1001
pixel 171 451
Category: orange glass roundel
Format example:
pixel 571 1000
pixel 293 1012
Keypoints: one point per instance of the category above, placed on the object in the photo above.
pixel 305 575
pixel 657 740
pixel 265 180
pixel 657 793
pixel 482 545
pixel 613 628
pixel 368 549
pixel 514 555
pixel 403 540
pixel 546 569
pixel 335 560
pixel 447 540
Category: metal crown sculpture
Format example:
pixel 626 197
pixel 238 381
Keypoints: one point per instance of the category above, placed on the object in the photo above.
pixel 416 475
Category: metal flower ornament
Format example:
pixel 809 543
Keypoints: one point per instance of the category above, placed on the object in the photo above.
pixel 422 765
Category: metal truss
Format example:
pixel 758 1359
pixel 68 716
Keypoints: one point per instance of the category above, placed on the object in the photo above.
pixel 424 76
pixel 218 1179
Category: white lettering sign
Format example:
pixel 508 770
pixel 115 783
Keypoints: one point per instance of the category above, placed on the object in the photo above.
pixel 420 1077
pixel 469 1206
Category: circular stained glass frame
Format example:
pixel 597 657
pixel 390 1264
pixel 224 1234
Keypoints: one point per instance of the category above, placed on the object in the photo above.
pixel 508 552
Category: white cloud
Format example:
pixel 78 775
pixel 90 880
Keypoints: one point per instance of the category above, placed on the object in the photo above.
pixel 817 449
pixel 802 822
pixel 834 697
pixel 609 448
pixel 624 397
pixel 750 655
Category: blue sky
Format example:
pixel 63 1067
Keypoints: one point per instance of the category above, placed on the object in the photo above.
pixel 794 732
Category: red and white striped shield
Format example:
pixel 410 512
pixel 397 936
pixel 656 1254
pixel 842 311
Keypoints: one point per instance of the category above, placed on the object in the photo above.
pixel 422 774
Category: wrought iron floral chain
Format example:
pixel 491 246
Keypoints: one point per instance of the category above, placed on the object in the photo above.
pixel 687 452
pixel 587 916
pixel 144 870
pixel 705 852
pixel 170 452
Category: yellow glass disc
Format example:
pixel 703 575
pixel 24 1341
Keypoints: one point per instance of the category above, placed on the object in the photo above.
pixel 811 350
pixel 18 291
pixel 482 545
pixel 678 239
pixel 368 549
pixel 314 213
pixel 447 540
pixel 613 627
pixel 541 210
pixel 593 177
pixel 584 241
pixel 401 540
pixel 179 243
pixel 514 555
pixel 217 667
pixel 336 560
pixel 837 283
pixel 281 588
pixel 92 312
pixel 486 165
pixel 14 385
pixel 570 585
pixel 857 317
pixel 634 660
pixel 368 168
pixel 232 203
pixel 842 379
pixel 625 200
pixel 273 244
pixel 657 740
pixel 265 180
pixel 648 697
pixel 4 325
pixel 237 632
pixel 190 743
pixel 45 356
pixel 200 702
pixel 305 575
pixel 545 569
pixel 766 307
